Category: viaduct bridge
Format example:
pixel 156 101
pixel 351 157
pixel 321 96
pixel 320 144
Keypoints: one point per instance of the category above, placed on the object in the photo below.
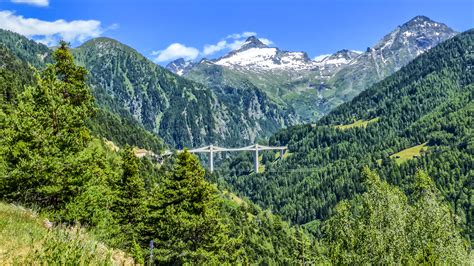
pixel 211 150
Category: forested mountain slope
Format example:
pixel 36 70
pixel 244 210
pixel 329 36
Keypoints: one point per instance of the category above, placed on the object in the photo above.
pixel 25 49
pixel 429 103
pixel 50 160
pixel 182 112
pixel 17 74
pixel 14 75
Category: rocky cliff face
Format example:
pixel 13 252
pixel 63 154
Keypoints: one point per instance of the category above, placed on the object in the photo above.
pixel 391 53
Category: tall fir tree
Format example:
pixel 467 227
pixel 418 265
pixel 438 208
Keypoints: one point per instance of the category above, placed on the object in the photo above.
pixel 131 206
pixel 43 134
pixel 184 219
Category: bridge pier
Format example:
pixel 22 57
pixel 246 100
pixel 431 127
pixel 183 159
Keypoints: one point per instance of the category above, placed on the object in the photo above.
pixel 256 159
pixel 211 158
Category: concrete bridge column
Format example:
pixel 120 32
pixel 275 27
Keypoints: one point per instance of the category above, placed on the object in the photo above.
pixel 256 158
pixel 211 158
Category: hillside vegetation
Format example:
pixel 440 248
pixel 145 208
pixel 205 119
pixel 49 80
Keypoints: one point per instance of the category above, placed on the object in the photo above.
pixel 148 97
pixel 349 201
pixel 27 237
pixel 428 101
pixel 49 159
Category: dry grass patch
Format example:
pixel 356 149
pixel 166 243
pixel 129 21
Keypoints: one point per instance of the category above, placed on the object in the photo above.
pixel 27 238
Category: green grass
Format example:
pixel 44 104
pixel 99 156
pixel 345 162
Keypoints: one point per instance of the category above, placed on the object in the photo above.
pixel 410 153
pixel 26 240
pixel 358 123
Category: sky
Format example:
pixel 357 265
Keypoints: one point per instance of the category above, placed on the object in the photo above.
pixel 164 30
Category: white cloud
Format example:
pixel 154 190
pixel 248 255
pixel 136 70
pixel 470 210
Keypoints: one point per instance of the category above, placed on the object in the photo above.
pixel 214 48
pixel 232 42
pixel 229 43
pixel 50 32
pixel 236 44
pixel 266 41
pixel 210 49
pixel 175 51
pixel 244 34
pixel 32 2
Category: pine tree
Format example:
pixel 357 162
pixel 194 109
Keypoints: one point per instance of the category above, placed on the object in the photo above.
pixel 43 134
pixel 184 215
pixel 131 206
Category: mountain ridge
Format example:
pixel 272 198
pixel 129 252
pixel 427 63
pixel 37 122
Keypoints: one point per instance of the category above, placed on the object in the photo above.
pixel 314 87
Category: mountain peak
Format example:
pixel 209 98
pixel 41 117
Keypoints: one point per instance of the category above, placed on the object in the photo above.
pixel 417 35
pixel 420 22
pixel 97 40
pixel 419 19
pixel 252 42
pixel 180 66
pixel 106 44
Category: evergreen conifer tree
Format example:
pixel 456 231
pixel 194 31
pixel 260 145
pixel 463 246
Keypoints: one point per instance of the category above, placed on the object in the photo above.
pixel 131 206
pixel 184 219
pixel 43 134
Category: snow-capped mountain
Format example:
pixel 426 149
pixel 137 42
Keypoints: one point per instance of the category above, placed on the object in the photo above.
pixel 180 66
pixel 416 36
pixel 314 86
pixel 339 58
pixel 255 55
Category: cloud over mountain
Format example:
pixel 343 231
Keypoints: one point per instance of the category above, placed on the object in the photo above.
pixel 230 42
pixel 49 32
pixel 175 51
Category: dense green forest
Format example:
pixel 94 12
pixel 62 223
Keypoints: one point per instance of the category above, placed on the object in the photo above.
pixel 430 102
pixel 51 160
pixel 17 53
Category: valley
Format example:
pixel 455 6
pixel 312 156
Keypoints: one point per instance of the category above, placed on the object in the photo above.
pixel 108 156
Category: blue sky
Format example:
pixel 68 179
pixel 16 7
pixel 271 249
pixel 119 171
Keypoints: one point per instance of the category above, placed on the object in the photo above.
pixel 187 27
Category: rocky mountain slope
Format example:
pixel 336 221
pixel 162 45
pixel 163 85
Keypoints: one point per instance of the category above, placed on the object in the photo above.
pixel 182 112
pixel 395 50
pixel 313 87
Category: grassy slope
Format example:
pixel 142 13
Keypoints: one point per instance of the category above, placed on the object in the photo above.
pixel 410 153
pixel 25 238
pixel 358 123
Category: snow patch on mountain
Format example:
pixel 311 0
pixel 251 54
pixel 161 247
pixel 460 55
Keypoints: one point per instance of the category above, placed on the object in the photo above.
pixel 320 58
